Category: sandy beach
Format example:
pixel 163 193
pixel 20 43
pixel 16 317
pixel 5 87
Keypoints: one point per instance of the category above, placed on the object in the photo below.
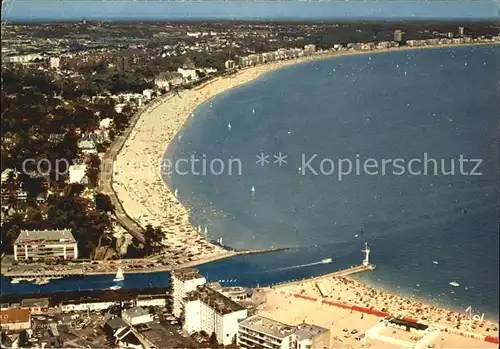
pixel 297 302
pixel 137 170
pixel 145 197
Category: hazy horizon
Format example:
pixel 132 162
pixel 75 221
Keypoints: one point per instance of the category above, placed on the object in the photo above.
pixel 52 10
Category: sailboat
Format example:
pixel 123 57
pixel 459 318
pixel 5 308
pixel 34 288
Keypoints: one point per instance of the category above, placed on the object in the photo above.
pixel 119 275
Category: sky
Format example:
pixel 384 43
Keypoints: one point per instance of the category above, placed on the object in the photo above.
pixel 40 10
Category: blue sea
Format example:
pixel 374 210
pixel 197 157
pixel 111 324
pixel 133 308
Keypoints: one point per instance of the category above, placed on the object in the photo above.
pixel 382 106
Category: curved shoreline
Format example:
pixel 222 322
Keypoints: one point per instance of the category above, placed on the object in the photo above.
pixel 137 178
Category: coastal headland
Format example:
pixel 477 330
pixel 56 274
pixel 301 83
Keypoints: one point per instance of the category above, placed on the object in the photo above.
pixel 136 173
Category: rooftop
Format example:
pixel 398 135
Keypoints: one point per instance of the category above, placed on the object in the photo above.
pixel 187 274
pixel 308 331
pixel 14 316
pixel 214 299
pixel 46 235
pixel 137 311
pixel 165 336
pixel 35 302
pixel 72 297
pixel 268 326
pixel 116 323
pixel 215 285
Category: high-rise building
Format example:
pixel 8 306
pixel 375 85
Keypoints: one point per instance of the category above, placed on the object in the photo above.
pixel 309 49
pixel 461 32
pixel 210 311
pixel 399 36
pixel 184 281
pixel 122 64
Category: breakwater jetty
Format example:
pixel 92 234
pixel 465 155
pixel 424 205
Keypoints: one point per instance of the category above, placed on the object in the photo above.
pixel 129 266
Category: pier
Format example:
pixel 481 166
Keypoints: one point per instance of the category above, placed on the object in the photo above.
pixel 129 266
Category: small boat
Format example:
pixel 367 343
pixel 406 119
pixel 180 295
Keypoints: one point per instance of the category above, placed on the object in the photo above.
pixel 435 262
pixel 253 111
pixel 114 288
pixel 176 192
pixel 119 275
pixel 326 260
pixel 206 231
pixel 15 281
pixel 454 284
pixel 229 126
pixel 253 189
pixel 41 281
pixel 355 235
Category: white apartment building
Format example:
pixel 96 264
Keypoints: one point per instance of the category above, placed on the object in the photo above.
pixel 77 305
pixel 189 75
pixel 309 49
pixel 55 62
pixel 137 316
pixel 168 79
pixel 261 332
pixel 229 64
pixel 184 281
pixel 210 311
pixel 23 58
pixel 151 300
pixel 40 244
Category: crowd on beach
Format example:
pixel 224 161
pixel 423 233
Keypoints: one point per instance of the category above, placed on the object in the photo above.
pixel 351 292
pixel 137 173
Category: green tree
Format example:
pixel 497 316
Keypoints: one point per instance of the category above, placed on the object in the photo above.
pixel 213 340
pixel 92 172
pixel 103 203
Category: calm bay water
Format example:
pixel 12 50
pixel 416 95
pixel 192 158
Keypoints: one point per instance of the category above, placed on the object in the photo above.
pixel 443 102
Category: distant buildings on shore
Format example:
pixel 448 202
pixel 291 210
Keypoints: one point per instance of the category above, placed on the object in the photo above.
pixel 43 244
pixel 310 50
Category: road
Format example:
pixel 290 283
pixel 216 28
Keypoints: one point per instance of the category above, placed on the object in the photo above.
pixel 106 180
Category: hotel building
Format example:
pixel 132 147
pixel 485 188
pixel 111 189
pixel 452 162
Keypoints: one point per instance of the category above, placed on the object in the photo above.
pixel 41 244
pixel 261 332
pixel 184 281
pixel 210 311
